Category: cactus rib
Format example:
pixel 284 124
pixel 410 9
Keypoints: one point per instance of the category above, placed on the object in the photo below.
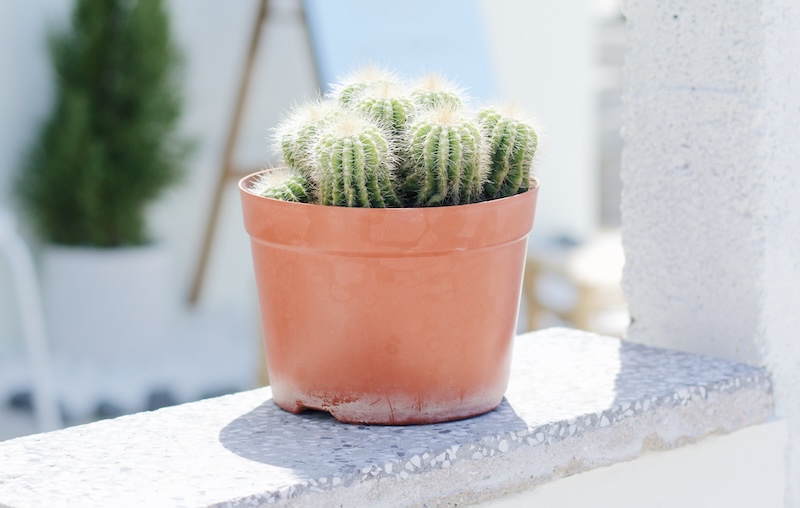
pixel 348 90
pixel 355 165
pixel 284 185
pixel 433 91
pixel 447 160
pixel 297 134
pixel 512 145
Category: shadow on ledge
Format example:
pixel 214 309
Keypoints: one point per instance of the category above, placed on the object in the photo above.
pixel 315 445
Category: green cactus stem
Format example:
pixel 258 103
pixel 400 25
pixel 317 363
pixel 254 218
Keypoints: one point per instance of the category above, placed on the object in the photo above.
pixel 352 87
pixel 387 104
pixel 355 165
pixel 447 164
pixel 285 185
pixel 434 91
pixel 512 145
pixel 297 134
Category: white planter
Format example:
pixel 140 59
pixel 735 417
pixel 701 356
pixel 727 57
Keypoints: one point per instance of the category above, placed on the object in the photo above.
pixel 107 305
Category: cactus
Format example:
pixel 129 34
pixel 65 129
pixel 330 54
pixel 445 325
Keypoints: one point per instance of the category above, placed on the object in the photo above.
pixel 352 87
pixel 446 159
pixel 375 142
pixel 512 145
pixel 387 104
pixel 355 164
pixel 433 91
pixel 297 134
pixel 284 185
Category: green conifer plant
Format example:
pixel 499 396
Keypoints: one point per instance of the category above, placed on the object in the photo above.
pixel 109 146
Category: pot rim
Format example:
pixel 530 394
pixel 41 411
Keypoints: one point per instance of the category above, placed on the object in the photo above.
pixel 246 187
pixel 387 231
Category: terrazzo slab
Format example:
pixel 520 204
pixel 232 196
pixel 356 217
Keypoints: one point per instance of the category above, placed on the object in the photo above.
pixel 575 401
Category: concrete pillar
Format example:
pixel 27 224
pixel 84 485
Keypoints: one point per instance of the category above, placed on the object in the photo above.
pixel 711 186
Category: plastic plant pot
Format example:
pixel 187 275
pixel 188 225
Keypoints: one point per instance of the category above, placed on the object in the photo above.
pixel 389 316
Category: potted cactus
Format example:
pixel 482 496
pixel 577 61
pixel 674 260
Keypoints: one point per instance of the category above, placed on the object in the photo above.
pixel 389 251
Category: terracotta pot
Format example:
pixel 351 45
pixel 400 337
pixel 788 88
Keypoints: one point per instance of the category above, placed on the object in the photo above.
pixel 389 316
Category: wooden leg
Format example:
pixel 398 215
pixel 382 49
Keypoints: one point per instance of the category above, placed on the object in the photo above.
pixel 581 313
pixel 533 309
pixel 227 170
pixel 263 373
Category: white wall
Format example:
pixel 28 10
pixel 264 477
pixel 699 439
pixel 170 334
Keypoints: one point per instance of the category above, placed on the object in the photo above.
pixel 711 197
pixel 542 57
pixel 741 470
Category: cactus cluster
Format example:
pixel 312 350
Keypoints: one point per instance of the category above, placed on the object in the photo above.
pixel 377 141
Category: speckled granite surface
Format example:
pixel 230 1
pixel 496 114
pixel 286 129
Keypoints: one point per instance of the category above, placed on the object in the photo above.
pixel 575 401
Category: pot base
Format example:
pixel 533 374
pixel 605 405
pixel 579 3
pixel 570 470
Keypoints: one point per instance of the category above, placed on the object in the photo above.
pixel 382 411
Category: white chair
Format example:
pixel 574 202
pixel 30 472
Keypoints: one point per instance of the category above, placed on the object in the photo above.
pixel 31 314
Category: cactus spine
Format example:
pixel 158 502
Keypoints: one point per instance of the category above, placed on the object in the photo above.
pixel 298 133
pixel 388 105
pixel 446 160
pixel 355 164
pixel 433 92
pixel 512 145
pixel 284 185
pixel 351 88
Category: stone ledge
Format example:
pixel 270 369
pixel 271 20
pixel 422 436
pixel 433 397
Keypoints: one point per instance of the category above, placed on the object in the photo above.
pixel 576 401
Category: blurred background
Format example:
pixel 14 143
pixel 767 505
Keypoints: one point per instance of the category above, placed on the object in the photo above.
pixel 560 61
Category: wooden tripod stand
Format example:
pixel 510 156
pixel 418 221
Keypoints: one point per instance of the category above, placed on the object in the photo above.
pixel 228 170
